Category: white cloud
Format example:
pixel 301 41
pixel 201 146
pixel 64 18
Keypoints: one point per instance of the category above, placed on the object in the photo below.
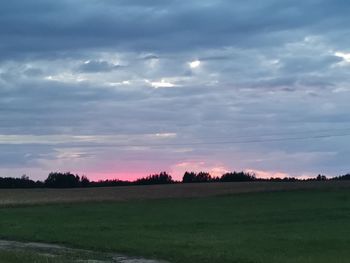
pixel 66 77
pixel 121 83
pixel 161 84
pixel 343 55
pixel 166 135
pixel 194 64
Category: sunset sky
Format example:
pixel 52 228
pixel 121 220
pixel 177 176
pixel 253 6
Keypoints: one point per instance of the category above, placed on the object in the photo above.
pixel 125 88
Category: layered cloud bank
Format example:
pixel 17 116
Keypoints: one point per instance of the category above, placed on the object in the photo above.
pixel 127 88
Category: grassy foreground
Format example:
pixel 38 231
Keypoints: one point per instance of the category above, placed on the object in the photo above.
pixel 299 226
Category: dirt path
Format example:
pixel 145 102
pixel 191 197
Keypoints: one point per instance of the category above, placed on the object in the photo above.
pixel 73 255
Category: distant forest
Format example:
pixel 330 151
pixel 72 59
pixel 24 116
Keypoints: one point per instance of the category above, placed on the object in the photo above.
pixel 70 180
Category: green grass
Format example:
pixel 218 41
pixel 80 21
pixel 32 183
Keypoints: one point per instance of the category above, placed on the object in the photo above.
pixel 301 226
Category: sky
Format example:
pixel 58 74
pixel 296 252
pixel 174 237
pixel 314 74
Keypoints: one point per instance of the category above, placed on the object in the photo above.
pixel 127 88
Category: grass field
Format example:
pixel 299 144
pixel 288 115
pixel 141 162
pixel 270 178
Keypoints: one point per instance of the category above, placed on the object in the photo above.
pixel 123 193
pixel 292 226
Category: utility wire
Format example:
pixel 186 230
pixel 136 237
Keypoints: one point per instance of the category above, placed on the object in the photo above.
pixel 347 130
pixel 314 137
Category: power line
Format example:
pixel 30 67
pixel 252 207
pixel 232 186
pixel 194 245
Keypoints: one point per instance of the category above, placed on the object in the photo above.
pixel 230 140
pixel 314 137
pixel 278 134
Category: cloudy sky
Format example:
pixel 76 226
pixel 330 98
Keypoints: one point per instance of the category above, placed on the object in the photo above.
pixel 125 88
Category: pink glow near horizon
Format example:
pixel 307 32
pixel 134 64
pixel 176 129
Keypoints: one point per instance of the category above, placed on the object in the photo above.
pixel 177 171
pixel 216 169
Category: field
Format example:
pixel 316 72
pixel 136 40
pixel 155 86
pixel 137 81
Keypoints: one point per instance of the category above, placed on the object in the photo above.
pixel 229 225
pixel 46 196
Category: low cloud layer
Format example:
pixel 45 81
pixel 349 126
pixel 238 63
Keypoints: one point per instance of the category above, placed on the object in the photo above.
pixel 127 88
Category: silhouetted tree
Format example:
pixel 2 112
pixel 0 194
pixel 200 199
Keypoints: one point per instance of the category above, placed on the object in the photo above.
pixel 278 179
pixel 237 177
pixel 290 179
pixel 321 177
pixel 109 183
pixel 192 177
pixel 25 177
pixel 189 177
pixel 342 177
pixel 23 182
pixel 162 178
pixel 69 180
pixel 62 180
pixel 203 177
pixel 84 181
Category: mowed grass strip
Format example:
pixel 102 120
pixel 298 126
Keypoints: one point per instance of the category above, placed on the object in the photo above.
pixel 298 226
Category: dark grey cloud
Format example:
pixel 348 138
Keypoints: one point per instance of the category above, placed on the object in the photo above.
pixel 19 156
pixel 39 27
pixel 309 63
pixel 79 78
pixel 98 66
pixel 150 56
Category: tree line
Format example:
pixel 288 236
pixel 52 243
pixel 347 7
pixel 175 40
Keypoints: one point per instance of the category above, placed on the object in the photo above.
pixel 70 180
